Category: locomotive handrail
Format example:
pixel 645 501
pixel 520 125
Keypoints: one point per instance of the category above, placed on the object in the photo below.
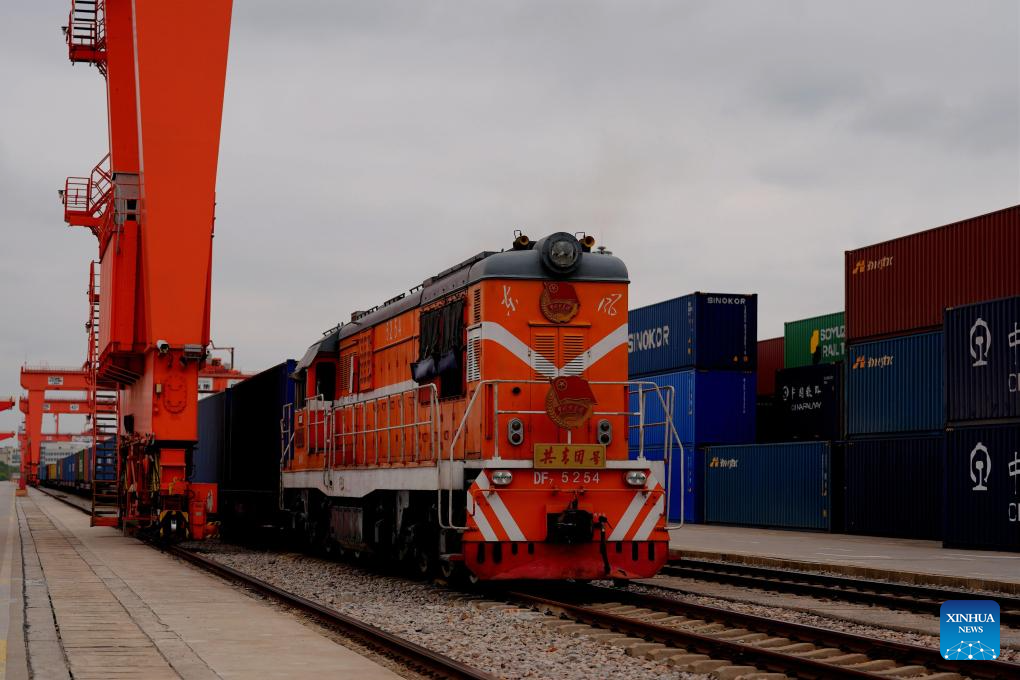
pixel 640 384
pixel 400 427
pixel 286 443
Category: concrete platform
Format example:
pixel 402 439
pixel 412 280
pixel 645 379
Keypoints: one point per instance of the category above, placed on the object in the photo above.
pixel 921 562
pixel 100 605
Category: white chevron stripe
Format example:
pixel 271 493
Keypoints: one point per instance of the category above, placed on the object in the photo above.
pixel 645 530
pixel 481 521
pixel 625 522
pixel 600 349
pixel 496 333
pixel 503 515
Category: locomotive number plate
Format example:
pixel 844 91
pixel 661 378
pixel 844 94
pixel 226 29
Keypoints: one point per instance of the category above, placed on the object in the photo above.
pixel 563 456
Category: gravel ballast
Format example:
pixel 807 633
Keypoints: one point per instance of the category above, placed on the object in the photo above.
pixel 508 642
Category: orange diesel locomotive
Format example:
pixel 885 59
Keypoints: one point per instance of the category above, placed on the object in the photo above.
pixel 480 422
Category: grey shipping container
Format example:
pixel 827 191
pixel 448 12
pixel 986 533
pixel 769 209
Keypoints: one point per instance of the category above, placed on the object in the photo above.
pixel 788 485
pixel 983 488
pixel 893 486
pixel 700 330
pixel 983 361
pixel 895 386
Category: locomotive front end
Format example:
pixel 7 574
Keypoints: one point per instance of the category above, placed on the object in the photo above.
pixel 551 493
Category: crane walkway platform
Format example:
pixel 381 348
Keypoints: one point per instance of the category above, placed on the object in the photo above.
pixel 894 559
pixel 91 603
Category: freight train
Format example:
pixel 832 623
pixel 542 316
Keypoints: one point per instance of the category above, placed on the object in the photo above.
pixel 73 472
pixel 476 424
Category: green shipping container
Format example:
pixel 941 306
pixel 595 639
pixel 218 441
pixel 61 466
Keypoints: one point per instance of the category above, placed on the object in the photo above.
pixel 819 340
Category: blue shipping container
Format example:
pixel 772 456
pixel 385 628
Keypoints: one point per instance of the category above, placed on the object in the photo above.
pixel 982 490
pixel 709 407
pixel 700 330
pixel 893 486
pixel 67 468
pixel 895 385
pixel 770 485
pixel 106 452
pixel 983 361
pixel 688 491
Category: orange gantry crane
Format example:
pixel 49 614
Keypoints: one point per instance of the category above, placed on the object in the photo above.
pixel 150 204
pixel 37 381
pixel 6 404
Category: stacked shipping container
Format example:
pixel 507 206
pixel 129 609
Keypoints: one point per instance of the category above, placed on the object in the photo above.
pixel 770 485
pixel 896 293
pixel 982 467
pixel 818 340
pixel 787 479
pixel 770 362
pixel 702 347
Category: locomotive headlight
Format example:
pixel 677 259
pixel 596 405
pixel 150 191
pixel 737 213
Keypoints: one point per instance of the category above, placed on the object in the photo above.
pixel 561 253
pixel 502 477
pixel 637 478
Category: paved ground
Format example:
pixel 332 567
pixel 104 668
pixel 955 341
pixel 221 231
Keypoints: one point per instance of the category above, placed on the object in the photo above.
pixel 865 556
pixel 100 605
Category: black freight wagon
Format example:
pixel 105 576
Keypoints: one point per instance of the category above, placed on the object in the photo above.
pixel 247 443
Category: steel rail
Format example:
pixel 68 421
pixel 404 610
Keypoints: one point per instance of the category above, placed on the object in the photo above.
pixel 411 654
pixel 735 652
pixel 872 647
pixel 902 596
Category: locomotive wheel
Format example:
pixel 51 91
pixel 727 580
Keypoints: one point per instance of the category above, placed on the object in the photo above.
pixel 447 569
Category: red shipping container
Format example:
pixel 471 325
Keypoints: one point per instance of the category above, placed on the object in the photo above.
pixel 904 285
pixel 770 360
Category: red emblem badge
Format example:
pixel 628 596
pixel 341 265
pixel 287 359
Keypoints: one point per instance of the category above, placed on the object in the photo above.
pixel 559 301
pixel 569 402
pixel 175 394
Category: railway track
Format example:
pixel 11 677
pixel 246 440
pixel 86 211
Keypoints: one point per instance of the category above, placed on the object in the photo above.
pixel 900 596
pixel 708 639
pixel 692 637
pixel 412 655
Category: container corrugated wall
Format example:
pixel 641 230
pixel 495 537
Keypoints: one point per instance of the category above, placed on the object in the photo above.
pixel 983 361
pixel 895 385
pixel 770 360
pixel 688 492
pixel 904 285
pixel 769 485
pixel 249 474
pixel 893 486
pixel 982 490
pixel 700 330
pixel 208 455
pixel 818 340
pixel 711 407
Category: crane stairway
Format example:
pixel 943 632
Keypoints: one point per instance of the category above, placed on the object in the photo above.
pixel 105 399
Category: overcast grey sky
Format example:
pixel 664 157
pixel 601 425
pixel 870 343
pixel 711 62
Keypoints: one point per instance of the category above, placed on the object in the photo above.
pixel 714 145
